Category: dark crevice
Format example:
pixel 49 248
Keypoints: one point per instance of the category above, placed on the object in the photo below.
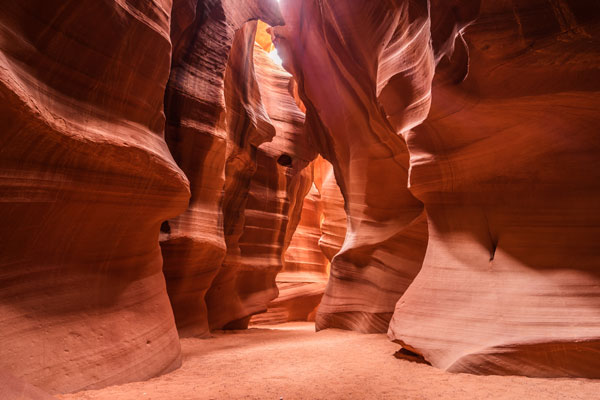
pixel 405 354
pixel 493 250
pixel 409 353
pixel 493 238
pixel 284 160
pixel 165 227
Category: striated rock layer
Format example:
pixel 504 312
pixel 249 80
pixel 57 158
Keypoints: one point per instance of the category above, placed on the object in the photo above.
pixel 508 166
pixel 248 126
pixel 272 205
pixel 333 219
pixel 301 283
pixel 211 135
pixel 86 180
pixel 364 72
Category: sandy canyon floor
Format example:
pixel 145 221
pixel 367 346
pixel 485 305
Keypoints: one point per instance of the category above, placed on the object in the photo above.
pixel 291 361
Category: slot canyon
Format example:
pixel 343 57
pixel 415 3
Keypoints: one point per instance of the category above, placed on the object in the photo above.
pixel 299 199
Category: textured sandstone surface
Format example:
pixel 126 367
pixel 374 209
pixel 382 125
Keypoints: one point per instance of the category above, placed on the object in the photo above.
pixel 273 198
pixel 12 387
pixel 85 180
pixel 158 179
pixel 333 219
pixel 301 283
pixel 508 167
pixel 210 132
pixel 352 59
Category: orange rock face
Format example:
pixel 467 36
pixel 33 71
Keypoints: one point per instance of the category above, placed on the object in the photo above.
pixel 305 272
pixel 507 165
pixel 273 197
pixel 158 178
pixel 86 180
pixel 212 128
pixel 347 75
pixel 14 388
pixel 302 281
pixel 333 219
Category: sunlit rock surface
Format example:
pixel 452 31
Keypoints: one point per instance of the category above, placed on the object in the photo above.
pixel 508 166
pixel 211 130
pixel 272 205
pixel 364 71
pixel 302 281
pixel 333 219
pixel 85 180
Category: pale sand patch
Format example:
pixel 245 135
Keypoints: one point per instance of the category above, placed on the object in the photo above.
pixel 291 361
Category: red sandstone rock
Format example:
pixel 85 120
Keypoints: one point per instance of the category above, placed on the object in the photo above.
pixel 275 191
pixel 303 253
pixel 210 139
pixel 334 221
pixel 86 180
pixel 508 167
pixel 318 237
pixel 301 283
pixel 15 388
pixel 303 279
pixel 364 74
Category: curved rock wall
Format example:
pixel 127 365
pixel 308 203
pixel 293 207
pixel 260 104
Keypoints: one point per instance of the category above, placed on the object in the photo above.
pixel 350 60
pixel 301 283
pixel 273 200
pixel 334 220
pixel 211 134
pixel 86 180
pixel 508 167
pixel 318 237
pixel 494 168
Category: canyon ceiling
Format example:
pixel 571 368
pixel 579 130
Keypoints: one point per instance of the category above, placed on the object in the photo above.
pixel 425 168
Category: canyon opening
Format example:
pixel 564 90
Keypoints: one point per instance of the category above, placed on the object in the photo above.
pixel 299 199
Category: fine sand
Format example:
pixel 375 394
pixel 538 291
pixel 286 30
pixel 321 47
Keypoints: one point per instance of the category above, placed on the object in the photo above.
pixel 291 361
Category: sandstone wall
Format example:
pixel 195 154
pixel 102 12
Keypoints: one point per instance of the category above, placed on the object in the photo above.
pixel 213 124
pixel 85 180
pixel 350 60
pixel 273 199
pixel 507 164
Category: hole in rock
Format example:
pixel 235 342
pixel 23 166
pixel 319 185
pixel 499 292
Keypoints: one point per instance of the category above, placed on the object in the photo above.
pixel 493 246
pixel 284 160
pixel 165 227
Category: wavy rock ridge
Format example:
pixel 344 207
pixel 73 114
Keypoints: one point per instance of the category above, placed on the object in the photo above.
pixel 86 180
pixel 507 167
pixel 274 196
pixel 339 82
pixel 508 202
pixel 157 172
pixel 302 281
pixel 215 120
